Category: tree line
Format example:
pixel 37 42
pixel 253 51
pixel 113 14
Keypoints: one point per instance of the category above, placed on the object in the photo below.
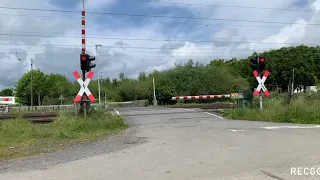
pixel 219 76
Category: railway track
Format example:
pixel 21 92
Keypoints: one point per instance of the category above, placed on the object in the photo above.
pixel 34 117
pixel 47 117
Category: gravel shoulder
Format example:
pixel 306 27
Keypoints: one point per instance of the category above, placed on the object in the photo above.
pixel 73 152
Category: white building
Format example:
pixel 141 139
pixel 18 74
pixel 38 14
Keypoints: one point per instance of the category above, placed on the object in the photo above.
pixel 312 88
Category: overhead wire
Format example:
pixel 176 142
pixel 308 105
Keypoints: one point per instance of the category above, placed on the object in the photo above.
pixel 135 55
pixel 134 51
pixel 147 39
pixel 155 16
pixel 163 22
pixel 173 3
pixel 145 47
pixel 224 6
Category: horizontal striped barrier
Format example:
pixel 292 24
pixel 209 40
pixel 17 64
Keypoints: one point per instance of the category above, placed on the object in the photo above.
pixel 222 96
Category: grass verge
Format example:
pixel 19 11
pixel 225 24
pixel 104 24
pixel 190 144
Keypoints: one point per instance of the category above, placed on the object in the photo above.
pixel 19 138
pixel 303 109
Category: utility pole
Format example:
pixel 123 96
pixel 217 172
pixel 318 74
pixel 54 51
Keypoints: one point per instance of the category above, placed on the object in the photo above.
pixel 105 100
pixel 31 83
pixel 292 86
pixel 61 98
pixel 98 76
pixel 31 61
pixel 31 79
pixel 39 99
pixel 154 93
pixel 99 89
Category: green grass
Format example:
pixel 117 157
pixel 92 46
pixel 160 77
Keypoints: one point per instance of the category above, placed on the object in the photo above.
pixel 19 137
pixel 303 109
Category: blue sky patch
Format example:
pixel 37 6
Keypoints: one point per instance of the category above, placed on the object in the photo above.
pixel 65 4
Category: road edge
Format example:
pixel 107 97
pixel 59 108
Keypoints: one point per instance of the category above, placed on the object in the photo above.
pixel 118 113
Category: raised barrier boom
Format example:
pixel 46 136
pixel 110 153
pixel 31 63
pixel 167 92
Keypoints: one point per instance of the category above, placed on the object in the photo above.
pixel 222 96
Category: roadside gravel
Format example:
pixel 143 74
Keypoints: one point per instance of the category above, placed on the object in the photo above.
pixel 73 152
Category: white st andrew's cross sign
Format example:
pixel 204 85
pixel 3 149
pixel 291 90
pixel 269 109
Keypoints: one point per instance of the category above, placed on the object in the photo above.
pixel 261 83
pixel 84 86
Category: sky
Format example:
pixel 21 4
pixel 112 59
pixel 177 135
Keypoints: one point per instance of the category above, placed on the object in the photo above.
pixel 146 35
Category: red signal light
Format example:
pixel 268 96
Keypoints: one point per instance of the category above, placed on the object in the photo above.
pixel 83 57
pixel 262 59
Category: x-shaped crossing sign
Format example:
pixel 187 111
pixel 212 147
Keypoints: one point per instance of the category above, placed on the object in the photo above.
pixel 261 83
pixel 84 86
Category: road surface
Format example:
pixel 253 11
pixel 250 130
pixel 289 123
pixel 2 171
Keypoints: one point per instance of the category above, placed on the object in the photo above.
pixel 185 144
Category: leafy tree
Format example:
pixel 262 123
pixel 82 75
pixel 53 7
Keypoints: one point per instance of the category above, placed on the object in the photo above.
pixel 57 85
pixel 23 87
pixel 46 88
pixel 6 92
pixel 142 76
pixel 219 76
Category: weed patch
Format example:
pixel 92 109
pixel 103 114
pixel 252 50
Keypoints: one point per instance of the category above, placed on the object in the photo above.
pixel 303 109
pixel 20 137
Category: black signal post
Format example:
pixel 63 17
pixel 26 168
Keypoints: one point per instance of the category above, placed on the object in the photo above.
pixel 91 63
pixel 87 62
pixel 83 62
pixel 83 66
pixel 258 65
pixel 254 63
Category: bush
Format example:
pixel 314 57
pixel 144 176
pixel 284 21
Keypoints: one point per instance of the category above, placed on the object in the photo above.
pixel 303 109
pixel 19 137
pixel 99 122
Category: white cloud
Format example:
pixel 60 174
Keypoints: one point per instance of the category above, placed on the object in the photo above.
pixel 315 6
pixel 121 55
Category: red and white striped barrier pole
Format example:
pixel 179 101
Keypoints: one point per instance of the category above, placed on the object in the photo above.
pixel 83 51
pixel 83 31
pixel 223 96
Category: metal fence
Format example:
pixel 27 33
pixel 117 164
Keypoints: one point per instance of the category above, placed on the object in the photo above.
pixel 127 104
pixel 74 107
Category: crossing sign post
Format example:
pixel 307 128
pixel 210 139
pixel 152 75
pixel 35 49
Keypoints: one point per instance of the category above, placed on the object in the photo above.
pixel 258 65
pixel 84 91
pixel 86 63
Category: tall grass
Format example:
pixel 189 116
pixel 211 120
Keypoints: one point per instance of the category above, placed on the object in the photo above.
pixel 19 137
pixel 303 109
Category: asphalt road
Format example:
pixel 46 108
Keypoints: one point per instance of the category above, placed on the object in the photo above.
pixel 183 144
